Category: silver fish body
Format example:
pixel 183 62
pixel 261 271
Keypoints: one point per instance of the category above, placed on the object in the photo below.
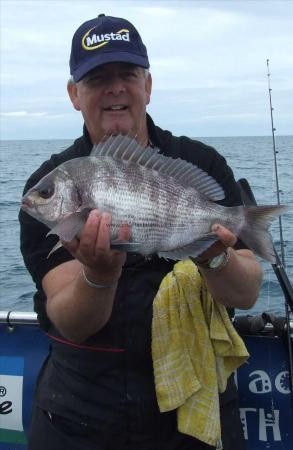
pixel 169 204
pixel 163 214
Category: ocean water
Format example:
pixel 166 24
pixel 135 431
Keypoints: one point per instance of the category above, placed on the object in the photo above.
pixel 249 157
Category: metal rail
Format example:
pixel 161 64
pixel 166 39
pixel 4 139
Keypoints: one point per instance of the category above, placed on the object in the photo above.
pixel 18 318
pixel 12 318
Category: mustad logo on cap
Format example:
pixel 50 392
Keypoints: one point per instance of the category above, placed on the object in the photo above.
pixel 94 41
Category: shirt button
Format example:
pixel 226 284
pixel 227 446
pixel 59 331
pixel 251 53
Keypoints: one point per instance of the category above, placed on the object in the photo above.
pixel 128 396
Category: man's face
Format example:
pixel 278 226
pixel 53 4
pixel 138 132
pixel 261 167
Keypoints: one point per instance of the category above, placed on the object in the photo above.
pixel 112 99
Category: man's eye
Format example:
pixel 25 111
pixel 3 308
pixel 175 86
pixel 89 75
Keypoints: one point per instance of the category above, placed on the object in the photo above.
pixel 95 79
pixel 130 75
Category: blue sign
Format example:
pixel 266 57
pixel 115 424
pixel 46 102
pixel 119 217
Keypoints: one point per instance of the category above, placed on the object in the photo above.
pixel 263 384
pixel 22 352
pixel 265 397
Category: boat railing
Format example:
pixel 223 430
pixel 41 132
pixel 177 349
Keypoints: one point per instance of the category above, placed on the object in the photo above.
pixel 19 318
pixel 257 324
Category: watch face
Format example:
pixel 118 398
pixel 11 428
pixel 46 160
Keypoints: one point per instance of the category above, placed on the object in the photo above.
pixel 217 261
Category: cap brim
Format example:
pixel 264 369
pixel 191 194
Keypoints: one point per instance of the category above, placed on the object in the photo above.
pixel 106 58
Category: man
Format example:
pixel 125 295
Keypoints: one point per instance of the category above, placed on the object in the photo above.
pixel 96 389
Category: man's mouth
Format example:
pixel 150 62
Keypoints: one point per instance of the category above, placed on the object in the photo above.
pixel 116 108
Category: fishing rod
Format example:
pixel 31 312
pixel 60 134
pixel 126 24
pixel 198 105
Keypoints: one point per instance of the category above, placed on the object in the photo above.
pixel 275 164
pixel 279 266
pixel 249 200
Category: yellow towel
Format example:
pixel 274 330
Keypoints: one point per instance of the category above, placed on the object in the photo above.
pixel 195 348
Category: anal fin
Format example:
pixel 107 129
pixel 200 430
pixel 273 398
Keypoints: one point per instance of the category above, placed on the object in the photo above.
pixel 193 249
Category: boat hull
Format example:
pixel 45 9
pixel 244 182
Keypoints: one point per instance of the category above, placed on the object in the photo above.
pixel 263 384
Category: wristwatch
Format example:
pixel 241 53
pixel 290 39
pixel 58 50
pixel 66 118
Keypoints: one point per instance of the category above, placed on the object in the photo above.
pixel 217 263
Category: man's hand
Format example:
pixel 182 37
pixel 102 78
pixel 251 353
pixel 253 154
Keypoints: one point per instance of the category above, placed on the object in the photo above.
pixel 102 264
pixel 237 284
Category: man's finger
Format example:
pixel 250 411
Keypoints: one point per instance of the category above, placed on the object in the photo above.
pixel 89 234
pixel 225 236
pixel 103 240
pixel 124 233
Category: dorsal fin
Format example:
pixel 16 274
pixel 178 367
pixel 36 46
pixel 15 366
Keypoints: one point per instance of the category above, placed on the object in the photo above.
pixel 187 174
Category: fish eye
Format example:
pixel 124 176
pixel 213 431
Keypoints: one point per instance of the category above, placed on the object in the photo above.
pixel 46 191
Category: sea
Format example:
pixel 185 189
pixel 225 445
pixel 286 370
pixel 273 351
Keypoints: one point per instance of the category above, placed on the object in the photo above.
pixel 250 157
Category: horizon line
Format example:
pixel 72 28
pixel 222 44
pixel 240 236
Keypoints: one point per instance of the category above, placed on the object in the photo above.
pixel 191 137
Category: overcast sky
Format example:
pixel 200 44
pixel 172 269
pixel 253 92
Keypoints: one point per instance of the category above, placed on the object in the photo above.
pixel 208 61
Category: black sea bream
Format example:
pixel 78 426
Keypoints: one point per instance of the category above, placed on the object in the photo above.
pixel 169 203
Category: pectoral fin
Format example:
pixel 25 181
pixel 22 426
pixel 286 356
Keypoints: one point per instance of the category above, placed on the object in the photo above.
pixel 58 245
pixel 71 225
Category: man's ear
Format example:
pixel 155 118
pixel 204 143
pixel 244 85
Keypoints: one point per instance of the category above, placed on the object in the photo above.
pixel 72 92
pixel 148 88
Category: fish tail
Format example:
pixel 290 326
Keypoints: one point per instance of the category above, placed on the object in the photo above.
pixel 255 232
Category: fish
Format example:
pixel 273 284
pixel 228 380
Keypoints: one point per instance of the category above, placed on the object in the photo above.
pixel 169 203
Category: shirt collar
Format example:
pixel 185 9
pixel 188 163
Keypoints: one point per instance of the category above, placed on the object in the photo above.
pixel 154 140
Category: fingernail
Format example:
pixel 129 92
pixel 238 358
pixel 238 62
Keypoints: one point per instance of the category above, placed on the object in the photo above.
pixel 215 228
pixel 94 214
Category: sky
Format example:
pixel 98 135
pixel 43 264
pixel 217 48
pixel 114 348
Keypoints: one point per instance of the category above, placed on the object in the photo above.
pixel 208 63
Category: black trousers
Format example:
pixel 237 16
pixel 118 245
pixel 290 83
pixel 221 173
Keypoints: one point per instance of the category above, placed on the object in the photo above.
pixel 52 432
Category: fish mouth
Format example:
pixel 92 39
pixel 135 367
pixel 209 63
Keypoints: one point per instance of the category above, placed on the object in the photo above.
pixel 26 203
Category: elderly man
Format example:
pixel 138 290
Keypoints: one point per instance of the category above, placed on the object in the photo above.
pixel 96 389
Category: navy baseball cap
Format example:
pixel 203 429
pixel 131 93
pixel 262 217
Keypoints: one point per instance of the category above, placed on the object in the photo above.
pixel 103 40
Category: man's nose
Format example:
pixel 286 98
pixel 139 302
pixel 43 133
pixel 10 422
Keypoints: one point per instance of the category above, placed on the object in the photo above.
pixel 115 85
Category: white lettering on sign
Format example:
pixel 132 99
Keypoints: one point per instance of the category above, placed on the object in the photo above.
pixel 262 384
pixel 268 423
pixel 11 402
pixel 282 382
pixel 243 418
pixel 269 420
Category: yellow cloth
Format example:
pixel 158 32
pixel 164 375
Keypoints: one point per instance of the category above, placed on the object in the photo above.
pixel 195 348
